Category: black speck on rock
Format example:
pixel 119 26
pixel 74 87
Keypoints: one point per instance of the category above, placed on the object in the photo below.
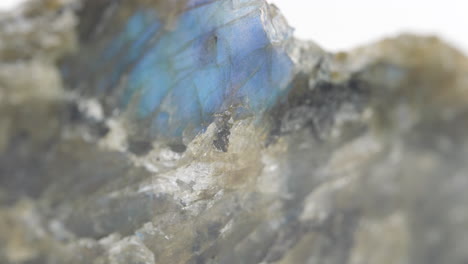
pixel 315 108
pixel 139 147
pixel 221 141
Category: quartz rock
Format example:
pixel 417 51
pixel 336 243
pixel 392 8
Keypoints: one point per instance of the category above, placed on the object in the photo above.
pixel 201 131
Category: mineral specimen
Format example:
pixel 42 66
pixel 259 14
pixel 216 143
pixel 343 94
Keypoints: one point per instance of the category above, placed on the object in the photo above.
pixel 201 131
pixel 182 70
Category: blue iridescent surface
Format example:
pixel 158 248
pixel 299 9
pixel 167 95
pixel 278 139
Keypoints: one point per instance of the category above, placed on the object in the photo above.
pixel 217 55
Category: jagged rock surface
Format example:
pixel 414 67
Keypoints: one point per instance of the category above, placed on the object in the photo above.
pixel 363 160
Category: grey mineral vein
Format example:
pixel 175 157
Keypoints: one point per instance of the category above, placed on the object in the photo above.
pixel 143 132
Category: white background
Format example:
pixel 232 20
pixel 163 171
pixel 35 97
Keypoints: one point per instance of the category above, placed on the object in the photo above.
pixel 7 4
pixel 343 24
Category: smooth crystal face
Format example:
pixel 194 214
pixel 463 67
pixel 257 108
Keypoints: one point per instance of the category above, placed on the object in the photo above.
pixel 176 73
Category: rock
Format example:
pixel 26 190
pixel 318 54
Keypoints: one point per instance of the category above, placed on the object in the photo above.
pixel 268 150
pixel 170 75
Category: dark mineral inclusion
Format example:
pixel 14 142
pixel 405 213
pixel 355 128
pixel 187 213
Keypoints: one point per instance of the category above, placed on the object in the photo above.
pixel 202 131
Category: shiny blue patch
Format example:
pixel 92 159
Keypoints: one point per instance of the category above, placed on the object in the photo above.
pixel 218 56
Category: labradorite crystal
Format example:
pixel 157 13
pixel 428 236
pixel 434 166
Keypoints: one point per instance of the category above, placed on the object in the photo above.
pixel 202 131
pixel 174 76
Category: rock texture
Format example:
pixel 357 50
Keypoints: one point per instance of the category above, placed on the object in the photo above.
pixel 356 157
